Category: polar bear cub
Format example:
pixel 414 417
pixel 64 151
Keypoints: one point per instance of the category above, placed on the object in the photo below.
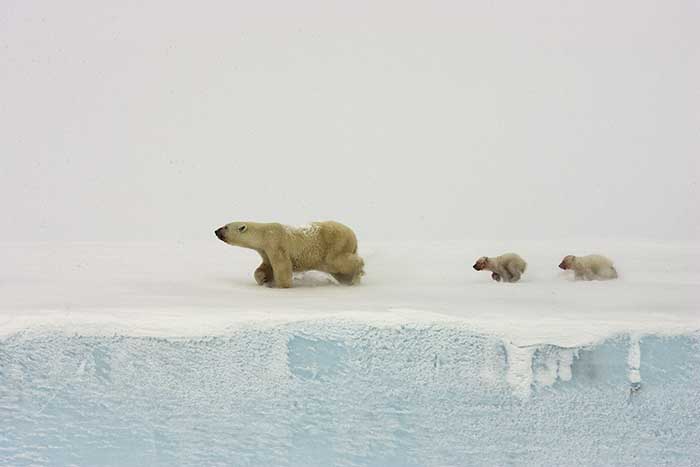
pixel 508 267
pixel 328 246
pixel 591 267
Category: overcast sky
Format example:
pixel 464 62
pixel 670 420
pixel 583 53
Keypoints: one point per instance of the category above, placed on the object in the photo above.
pixel 137 120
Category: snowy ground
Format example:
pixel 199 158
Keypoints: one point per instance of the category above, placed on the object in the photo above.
pixel 157 354
pixel 205 288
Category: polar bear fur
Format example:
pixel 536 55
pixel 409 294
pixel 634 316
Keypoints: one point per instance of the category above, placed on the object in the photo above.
pixel 508 267
pixel 323 246
pixel 591 267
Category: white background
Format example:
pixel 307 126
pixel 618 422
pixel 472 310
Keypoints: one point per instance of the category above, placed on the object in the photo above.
pixel 157 120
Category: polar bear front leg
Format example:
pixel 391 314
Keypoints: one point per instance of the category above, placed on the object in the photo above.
pixel 281 269
pixel 263 274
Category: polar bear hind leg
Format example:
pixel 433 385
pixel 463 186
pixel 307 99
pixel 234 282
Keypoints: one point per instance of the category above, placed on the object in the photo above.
pixel 514 272
pixel 346 268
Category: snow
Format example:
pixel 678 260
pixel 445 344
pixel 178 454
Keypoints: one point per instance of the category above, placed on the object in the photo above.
pixel 305 230
pixel 206 288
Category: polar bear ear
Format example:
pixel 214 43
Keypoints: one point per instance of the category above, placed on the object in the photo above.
pixel 242 228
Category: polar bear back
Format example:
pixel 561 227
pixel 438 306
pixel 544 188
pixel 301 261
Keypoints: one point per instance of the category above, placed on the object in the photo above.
pixel 313 244
pixel 594 262
pixel 594 267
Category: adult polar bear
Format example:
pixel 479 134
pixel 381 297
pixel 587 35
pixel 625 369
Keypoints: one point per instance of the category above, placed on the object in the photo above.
pixel 323 246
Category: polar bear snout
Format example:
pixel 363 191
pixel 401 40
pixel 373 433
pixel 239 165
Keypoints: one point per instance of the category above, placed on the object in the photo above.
pixel 221 233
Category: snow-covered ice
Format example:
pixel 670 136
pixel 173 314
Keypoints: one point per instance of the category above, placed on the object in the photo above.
pixel 195 289
pixel 164 354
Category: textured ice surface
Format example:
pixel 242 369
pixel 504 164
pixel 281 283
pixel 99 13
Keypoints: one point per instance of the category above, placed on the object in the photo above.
pixel 315 393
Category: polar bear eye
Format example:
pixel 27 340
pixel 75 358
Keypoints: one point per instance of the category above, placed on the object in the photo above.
pixel 242 228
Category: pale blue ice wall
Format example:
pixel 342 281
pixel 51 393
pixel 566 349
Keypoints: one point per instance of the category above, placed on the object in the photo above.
pixel 347 394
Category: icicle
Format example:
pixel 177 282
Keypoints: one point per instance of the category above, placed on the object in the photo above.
pixel 519 374
pixel 545 366
pixel 633 361
pixel 566 359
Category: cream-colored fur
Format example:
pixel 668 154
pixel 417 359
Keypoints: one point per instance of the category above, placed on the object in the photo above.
pixel 508 267
pixel 323 246
pixel 591 267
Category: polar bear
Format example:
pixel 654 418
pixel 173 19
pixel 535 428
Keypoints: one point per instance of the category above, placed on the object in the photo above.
pixel 508 267
pixel 323 246
pixel 591 267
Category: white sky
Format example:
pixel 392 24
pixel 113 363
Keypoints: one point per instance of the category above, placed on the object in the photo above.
pixel 406 120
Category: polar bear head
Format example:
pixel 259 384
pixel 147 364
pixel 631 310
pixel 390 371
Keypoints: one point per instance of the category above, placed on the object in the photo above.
pixel 567 262
pixel 244 234
pixel 481 263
